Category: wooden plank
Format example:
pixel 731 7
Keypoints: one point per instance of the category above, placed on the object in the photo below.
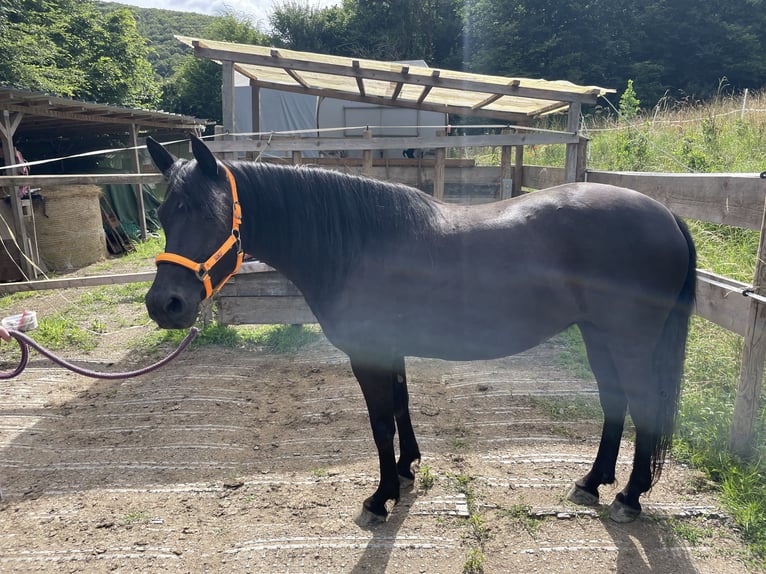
pixel 72 282
pixel 540 177
pixel 731 199
pixel 263 311
pixel 260 284
pixel 720 300
pixel 80 179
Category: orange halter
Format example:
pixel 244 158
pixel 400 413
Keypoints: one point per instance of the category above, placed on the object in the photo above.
pixel 202 270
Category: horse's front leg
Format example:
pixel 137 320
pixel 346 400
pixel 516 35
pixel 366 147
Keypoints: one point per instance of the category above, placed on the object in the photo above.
pixel 377 385
pixel 409 452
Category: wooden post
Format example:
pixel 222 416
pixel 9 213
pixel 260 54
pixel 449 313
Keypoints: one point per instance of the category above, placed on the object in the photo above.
pixel 518 170
pixel 227 103
pixel 439 166
pixel 137 188
pixel 8 124
pixel 506 172
pixel 582 159
pixel 255 106
pixel 573 126
pixel 297 155
pixel 751 372
pixel 367 155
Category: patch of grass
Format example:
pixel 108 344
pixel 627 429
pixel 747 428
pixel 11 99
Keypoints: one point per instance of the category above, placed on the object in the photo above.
pixel 572 409
pixel 138 517
pixel 426 478
pixel 691 533
pixel 318 472
pixel 56 333
pixel 478 531
pixel 283 339
pixel 8 301
pixel 474 562
pixel 573 355
pixel 521 514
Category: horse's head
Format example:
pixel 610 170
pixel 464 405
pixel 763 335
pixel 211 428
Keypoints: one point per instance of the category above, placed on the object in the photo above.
pixel 200 216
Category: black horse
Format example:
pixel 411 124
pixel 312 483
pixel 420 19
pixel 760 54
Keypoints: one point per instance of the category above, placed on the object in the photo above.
pixel 391 272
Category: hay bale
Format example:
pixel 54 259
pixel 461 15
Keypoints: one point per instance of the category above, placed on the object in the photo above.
pixel 70 234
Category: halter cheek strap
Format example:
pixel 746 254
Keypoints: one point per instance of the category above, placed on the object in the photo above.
pixel 202 270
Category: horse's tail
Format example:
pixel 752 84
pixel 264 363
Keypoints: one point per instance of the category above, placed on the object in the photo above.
pixel 669 357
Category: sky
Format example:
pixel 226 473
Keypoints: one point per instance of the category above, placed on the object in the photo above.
pixel 258 10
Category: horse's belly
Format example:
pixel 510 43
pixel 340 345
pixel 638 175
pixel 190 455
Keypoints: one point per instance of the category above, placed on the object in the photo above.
pixel 454 328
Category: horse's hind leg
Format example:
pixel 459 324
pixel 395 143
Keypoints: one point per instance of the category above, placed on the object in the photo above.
pixel 377 385
pixel 613 404
pixel 408 446
pixel 643 410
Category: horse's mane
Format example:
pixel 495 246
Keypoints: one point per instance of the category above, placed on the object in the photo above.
pixel 321 216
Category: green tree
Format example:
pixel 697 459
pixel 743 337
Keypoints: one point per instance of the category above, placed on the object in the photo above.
pixel 301 26
pixel 195 89
pixel 379 29
pixel 66 47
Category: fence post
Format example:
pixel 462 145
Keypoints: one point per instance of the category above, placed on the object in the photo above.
pixel 506 171
pixel 297 155
pixel 367 155
pixel 753 353
pixel 439 167
pixel 573 126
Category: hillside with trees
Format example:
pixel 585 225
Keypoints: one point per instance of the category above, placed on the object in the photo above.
pixel 114 53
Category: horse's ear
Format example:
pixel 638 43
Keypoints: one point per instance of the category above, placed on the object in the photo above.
pixel 161 157
pixel 204 157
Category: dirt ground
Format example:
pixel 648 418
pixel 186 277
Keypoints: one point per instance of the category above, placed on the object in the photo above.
pixel 244 461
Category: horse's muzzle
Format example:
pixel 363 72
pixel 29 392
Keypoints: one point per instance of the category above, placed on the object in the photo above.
pixel 171 309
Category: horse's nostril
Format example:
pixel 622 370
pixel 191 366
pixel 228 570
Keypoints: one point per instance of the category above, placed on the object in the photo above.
pixel 174 306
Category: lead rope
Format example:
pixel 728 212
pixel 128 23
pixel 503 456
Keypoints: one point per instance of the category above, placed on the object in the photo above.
pixel 25 342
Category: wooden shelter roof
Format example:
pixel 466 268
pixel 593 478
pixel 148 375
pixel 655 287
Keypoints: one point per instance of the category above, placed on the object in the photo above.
pixel 395 84
pixel 43 115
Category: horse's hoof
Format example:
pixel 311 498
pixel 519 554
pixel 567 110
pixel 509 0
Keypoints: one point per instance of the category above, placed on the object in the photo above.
pixel 622 513
pixel 368 519
pixel 582 497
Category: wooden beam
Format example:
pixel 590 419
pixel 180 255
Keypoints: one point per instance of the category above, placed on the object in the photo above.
pixel 297 77
pixel 359 79
pixel 405 70
pixel 80 179
pixel 487 101
pixel 397 91
pixel 72 282
pixel 424 94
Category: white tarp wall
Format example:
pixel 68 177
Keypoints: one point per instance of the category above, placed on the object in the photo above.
pixel 286 111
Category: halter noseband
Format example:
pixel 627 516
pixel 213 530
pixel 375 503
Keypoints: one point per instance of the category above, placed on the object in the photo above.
pixel 202 270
